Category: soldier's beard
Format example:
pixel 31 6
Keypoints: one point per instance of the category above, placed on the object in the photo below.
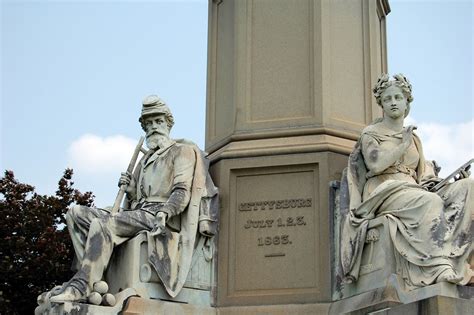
pixel 155 140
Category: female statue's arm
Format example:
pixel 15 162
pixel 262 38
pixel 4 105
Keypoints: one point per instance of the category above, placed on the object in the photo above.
pixel 378 159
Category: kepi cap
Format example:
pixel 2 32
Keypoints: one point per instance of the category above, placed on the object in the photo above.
pixel 153 105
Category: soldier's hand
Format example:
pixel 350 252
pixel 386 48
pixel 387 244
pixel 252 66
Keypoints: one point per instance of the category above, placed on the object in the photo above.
pixel 205 228
pixel 465 173
pixel 127 180
pixel 160 224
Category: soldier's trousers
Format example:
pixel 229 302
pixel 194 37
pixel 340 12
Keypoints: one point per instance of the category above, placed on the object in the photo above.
pixel 94 233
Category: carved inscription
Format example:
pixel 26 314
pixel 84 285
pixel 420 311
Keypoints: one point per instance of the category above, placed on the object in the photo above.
pixel 275 223
pixel 275 204
pixel 275 240
pixel 276 215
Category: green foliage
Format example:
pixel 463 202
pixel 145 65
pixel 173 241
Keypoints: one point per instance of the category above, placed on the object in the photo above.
pixel 35 249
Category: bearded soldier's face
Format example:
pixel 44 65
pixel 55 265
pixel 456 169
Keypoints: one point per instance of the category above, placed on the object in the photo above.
pixel 156 129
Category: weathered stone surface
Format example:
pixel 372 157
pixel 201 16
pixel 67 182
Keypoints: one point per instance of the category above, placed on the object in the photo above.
pixel 108 300
pixel 273 245
pixel 101 286
pixel 140 306
pixel 130 261
pixel 277 68
pixel 279 128
pixel 440 298
pixel 94 298
pixel 388 177
pixel 299 309
pixel 171 204
pixel 74 308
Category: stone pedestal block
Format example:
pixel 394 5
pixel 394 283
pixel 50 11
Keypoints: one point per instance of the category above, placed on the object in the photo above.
pixel 289 90
pixel 279 67
pixel 274 245
pixel 129 268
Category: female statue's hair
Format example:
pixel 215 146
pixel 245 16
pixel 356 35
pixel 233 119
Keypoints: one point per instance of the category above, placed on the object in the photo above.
pixel 399 80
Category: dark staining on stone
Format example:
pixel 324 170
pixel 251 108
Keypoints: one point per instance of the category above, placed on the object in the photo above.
pixel 374 155
pixel 179 196
pixel 162 263
pixel 438 231
pixel 339 284
pixel 346 262
pixel 346 259
pixel 144 218
pixel 462 239
pixel 83 310
pixel 356 159
pixel 78 309
pixel 95 247
pixel 453 219
pixel 358 169
pixel 86 269
pixel 79 281
pixel 375 296
pixel 175 283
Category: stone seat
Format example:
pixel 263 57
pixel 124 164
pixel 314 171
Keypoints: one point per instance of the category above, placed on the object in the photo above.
pixel 378 261
pixel 129 268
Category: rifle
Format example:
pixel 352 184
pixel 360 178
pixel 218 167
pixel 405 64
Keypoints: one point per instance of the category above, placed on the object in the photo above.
pixel 465 167
pixel 130 168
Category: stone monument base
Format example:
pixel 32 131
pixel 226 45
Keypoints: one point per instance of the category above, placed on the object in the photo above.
pixel 130 305
pixel 437 305
pixel 440 298
pixel 73 308
pixel 137 305
pixel 140 306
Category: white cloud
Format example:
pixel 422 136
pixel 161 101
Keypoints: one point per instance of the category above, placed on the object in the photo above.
pixel 451 145
pixel 91 154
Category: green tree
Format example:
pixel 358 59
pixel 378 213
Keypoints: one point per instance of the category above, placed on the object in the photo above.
pixel 35 249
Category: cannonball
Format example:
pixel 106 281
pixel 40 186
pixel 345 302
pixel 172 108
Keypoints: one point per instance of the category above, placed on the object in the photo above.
pixel 95 298
pixel 108 299
pixel 101 286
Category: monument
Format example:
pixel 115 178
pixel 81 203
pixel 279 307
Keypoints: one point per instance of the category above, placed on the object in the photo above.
pixel 301 230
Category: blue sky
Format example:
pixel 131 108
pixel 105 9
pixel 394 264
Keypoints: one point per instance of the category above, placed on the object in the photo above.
pixel 73 74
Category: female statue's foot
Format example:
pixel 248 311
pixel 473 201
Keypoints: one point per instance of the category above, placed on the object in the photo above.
pixel 449 276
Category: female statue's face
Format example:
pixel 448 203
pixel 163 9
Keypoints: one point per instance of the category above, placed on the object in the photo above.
pixel 394 103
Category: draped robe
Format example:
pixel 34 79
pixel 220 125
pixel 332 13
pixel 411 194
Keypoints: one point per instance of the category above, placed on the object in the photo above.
pixel 430 231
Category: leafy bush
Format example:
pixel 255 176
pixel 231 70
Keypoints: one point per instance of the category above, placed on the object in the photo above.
pixel 35 249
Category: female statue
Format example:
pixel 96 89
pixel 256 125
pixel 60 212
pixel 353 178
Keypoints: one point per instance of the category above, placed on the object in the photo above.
pixel 389 176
